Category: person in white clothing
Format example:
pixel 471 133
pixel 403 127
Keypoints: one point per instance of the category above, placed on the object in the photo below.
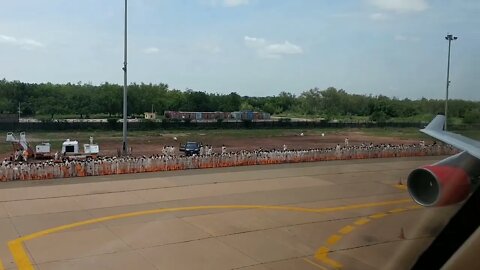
pixel 224 149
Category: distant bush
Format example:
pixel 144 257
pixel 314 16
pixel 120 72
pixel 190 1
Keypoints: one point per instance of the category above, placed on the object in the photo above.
pixel 112 121
pixel 284 120
pixel 171 120
pixel 45 119
pixel 472 117
pixel 379 117
pixel 247 123
pixel 148 124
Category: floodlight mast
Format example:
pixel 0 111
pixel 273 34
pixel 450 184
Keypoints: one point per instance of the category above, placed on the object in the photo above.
pixel 125 146
pixel 449 38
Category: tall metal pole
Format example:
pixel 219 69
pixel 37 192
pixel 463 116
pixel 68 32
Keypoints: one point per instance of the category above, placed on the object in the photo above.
pixel 125 146
pixel 449 38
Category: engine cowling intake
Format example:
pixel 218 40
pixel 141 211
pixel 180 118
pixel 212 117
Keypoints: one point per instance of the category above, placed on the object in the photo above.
pixel 439 185
pixel 446 182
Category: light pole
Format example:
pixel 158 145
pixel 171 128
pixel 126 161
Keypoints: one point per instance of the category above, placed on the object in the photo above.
pixel 125 147
pixel 449 38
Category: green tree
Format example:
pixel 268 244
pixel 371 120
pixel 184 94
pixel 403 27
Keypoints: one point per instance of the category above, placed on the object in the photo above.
pixel 379 116
pixel 84 99
pixel 110 99
pixel 4 104
pixel 286 101
pixel 472 117
pixel 245 106
pixel 311 102
pixel 196 101
pixel 229 103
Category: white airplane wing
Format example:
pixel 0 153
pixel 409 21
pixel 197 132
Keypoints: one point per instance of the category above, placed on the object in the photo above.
pixel 435 130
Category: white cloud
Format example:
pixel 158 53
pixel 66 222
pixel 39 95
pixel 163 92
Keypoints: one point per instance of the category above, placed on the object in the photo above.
pixel 23 43
pixel 151 50
pixel 379 16
pixel 7 39
pixel 210 48
pixel 400 5
pixel 284 48
pixel 344 15
pixel 31 43
pixel 405 38
pixel 253 42
pixel 226 3
pixel 235 3
pixel 271 50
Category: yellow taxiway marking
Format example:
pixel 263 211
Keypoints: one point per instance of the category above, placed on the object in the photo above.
pixel 322 255
pixel 314 264
pixel 398 210
pixel 402 187
pixel 1 265
pixel 322 252
pixel 347 229
pixel 334 239
pixel 378 215
pixel 23 261
pixel 19 255
pixel 361 221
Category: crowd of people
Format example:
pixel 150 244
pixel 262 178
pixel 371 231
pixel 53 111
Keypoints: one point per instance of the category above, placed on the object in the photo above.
pixel 168 160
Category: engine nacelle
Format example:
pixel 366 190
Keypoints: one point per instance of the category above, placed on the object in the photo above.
pixel 446 182
pixel 439 185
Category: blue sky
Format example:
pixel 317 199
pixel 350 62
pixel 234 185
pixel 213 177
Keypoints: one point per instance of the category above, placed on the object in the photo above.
pixel 254 47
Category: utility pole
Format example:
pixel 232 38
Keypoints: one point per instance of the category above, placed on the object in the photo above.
pixel 449 38
pixel 125 146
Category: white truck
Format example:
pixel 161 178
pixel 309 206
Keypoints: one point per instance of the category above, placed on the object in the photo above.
pixel 71 150
pixel 22 151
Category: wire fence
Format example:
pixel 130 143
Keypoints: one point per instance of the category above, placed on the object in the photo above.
pixel 193 125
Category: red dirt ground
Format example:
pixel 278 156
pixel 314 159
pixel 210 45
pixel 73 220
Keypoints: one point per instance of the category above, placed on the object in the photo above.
pixel 150 145
pixel 154 145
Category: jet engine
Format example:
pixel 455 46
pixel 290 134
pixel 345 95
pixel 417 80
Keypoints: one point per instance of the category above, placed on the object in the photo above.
pixel 447 182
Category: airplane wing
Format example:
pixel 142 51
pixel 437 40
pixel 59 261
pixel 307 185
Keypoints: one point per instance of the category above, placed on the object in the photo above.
pixel 435 130
pixel 448 182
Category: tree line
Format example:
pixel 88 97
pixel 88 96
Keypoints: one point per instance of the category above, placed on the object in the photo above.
pixel 85 100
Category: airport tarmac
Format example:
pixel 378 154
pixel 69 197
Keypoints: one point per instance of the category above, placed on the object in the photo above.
pixel 324 215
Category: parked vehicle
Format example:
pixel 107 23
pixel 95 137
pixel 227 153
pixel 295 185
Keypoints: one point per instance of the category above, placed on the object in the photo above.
pixel 191 148
pixel 23 151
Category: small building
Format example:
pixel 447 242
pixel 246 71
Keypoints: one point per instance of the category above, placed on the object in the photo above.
pixel 70 147
pixel 150 115
pixel 91 148
pixel 43 148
